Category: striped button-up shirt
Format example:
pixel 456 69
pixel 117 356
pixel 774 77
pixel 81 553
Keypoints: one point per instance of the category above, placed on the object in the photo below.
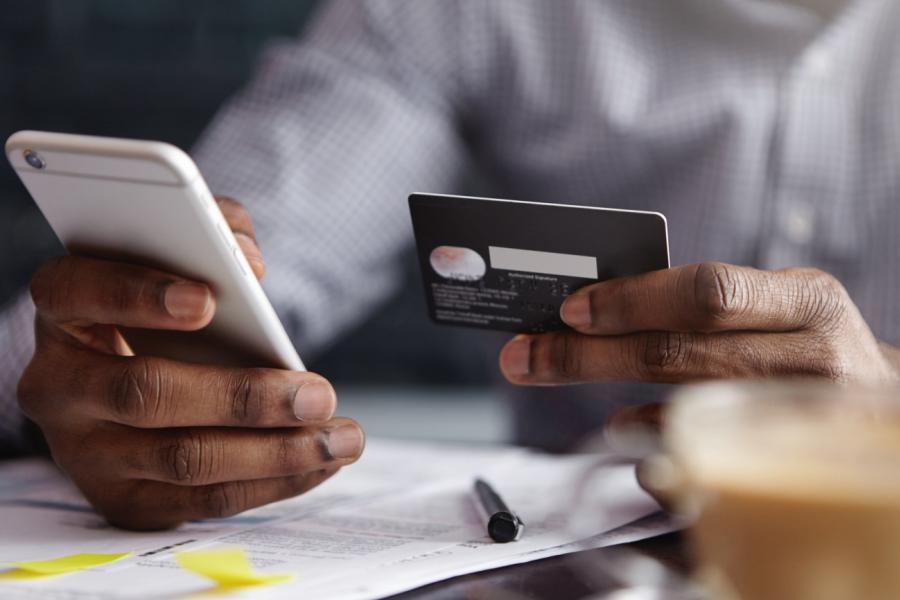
pixel 767 131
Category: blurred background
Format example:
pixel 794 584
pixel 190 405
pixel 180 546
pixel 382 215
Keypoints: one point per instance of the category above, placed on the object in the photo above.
pixel 160 70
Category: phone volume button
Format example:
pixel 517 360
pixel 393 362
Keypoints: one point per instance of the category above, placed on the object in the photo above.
pixel 226 234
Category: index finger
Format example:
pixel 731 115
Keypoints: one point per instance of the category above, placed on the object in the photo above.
pixel 79 290
pixel 706 298
pixel 150 392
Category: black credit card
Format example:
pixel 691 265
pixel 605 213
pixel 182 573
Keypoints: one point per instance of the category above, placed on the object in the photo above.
pixel 508 265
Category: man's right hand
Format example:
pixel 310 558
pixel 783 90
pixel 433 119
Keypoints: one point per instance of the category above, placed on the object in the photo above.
pixel 153 442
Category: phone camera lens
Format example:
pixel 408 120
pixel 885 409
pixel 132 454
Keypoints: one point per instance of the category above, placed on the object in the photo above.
pixel 34 159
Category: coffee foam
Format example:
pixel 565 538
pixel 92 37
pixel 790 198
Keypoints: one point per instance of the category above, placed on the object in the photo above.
pixel 845 461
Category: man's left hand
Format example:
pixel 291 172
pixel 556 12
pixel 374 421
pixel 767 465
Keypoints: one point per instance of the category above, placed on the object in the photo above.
pixel 706 321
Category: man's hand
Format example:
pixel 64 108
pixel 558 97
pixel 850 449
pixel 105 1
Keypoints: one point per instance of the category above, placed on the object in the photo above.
pixel 707 321
pixel 153 442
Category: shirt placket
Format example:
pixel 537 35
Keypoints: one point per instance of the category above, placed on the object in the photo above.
pixel 808 170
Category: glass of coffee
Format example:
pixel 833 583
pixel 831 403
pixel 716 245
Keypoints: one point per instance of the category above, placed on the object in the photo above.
pixel 793 489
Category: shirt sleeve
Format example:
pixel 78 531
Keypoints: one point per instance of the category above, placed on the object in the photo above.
pixel 17 339
pixel 325 145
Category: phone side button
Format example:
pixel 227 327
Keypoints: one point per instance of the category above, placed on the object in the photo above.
pixel 236 253
pixel 225 234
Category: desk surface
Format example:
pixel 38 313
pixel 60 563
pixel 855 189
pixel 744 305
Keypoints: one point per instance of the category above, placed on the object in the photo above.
pixel 559 578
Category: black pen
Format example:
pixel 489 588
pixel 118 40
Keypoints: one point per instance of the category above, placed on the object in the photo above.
pixel 503 525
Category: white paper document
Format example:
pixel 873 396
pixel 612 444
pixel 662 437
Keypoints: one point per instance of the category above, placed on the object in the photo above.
pixel 401 518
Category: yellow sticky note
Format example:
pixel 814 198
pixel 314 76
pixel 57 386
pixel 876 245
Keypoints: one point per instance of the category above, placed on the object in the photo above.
pixel 228 567
pixel 58 566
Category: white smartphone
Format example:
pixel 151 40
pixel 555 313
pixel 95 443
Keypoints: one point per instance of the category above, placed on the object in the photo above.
pixel 146 203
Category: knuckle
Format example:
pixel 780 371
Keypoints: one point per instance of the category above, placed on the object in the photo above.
pixel 826 300
pixel 721 292
pixel 595 300
pixel 628 312
pixel 125 294
pixel 296 450
pixel 833 300
pixel 297 484
pixel 835 371
pixel 664 355
pixel 829 361
pixel 190 458
pixel 287 451
pixel 571 356
pixel 559 356
pixel 246 397
pixel 50 284
pixel 225 499
pixel 138 392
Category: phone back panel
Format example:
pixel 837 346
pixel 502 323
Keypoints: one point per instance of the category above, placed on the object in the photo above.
pixel 146 203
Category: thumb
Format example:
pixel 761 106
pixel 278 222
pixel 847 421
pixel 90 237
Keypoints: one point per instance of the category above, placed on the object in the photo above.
pixel 634 431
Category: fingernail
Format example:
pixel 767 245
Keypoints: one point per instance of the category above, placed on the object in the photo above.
pixel 345 442
pixel 187 300
pixel 314 401
pixel 576 310
pixel 517 356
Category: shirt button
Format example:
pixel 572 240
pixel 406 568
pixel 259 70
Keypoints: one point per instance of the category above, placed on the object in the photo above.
pixel 799 224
